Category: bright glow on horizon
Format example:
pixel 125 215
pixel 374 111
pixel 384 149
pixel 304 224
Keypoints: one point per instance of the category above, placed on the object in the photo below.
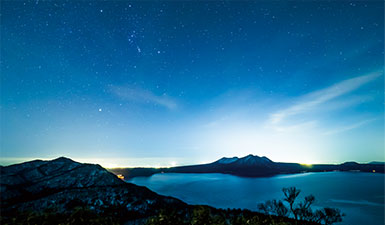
pixel 109 162
pixel 149 162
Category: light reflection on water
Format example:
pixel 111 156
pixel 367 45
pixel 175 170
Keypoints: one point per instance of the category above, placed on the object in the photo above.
pixel 359 195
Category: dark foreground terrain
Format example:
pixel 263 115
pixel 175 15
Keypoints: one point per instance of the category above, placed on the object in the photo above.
pixel 252 166
pixel 62 191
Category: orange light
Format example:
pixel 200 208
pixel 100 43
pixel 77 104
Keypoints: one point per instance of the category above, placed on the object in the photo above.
pixel 120 176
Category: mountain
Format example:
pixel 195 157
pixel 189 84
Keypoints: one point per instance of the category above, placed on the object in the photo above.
pixel 225 160
pixel 252 166
pixel 247 160
pixel 65 185
pixel 63 191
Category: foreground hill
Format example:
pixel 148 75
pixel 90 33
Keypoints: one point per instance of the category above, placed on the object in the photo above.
pixel 252 166
pixel 62 191
pixel 63 185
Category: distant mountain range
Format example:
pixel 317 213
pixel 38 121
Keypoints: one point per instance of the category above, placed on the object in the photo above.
pixel 63 191
pixel 252 166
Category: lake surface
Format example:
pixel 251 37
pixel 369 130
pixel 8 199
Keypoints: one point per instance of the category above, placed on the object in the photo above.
pixel 359 195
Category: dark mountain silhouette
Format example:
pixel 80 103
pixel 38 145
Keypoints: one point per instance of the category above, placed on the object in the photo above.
pixel 246 161
pixel 376 163
pixel 62 191
pixel 252 166
pixel 61 182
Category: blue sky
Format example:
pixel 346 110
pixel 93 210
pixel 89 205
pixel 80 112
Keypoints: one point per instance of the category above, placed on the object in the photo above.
pixel 173 83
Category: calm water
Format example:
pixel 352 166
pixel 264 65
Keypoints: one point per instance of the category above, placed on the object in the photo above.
pixel 359 195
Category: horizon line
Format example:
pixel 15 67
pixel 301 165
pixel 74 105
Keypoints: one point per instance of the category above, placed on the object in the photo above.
pixel 109 162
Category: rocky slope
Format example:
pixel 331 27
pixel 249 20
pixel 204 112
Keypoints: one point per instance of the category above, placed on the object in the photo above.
pixel 63 185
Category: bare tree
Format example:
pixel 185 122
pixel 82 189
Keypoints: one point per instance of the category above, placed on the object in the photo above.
pixel 301 211
pixel 274 207
pixel 304 211
pixel 329 216
pixel 291 195
pixel 280 208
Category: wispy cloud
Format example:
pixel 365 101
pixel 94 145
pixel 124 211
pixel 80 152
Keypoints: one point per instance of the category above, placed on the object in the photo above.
pixel 143 96
pixel 348 127
pixel 316 98
pixel 296 127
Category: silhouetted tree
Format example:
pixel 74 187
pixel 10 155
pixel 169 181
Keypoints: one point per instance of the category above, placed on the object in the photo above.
pixel 275 207
pixel 304 211
pixel 291 195
pixel 301 211
pixel 328 216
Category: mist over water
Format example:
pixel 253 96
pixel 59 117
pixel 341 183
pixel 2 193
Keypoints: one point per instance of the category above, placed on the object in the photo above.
pixel 359 195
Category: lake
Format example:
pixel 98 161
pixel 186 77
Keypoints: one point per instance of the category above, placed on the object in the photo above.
pixel 359 195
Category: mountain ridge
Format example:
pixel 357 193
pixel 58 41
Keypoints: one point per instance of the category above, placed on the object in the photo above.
pixel 33 184
pixel 252 166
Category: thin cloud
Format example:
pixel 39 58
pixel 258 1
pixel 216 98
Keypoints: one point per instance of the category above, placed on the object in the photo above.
pixel 143 96
pixel 349 127
pixel 316 98
pixel 296 127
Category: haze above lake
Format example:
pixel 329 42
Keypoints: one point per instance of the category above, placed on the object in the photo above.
pixel 359 195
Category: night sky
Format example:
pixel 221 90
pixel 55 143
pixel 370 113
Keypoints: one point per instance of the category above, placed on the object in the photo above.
pixel 178 82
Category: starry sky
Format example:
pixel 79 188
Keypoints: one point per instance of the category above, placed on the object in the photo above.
pixel 164 83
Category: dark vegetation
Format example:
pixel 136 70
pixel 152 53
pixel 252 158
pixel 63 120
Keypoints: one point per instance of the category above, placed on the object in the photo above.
pixel 198 215
pixel 301 211
pixel 252 166
pixel 79 216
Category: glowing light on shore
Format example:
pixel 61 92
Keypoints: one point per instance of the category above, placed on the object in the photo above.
pixel 307 165
pixel 120 176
